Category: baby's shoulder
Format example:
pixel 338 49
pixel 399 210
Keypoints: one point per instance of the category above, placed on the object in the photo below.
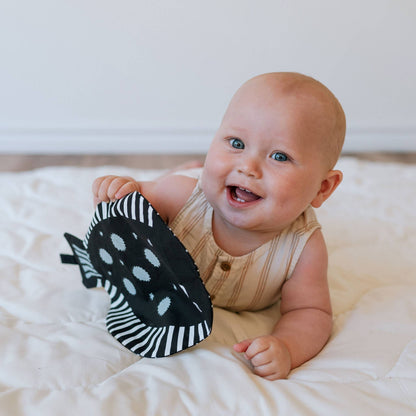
pixel 170 194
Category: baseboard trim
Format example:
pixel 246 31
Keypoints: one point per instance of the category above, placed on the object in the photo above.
pixel 377 139
pixel 175 141
pixel 104 141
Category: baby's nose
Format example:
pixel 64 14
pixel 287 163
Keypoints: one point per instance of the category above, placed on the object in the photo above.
pixel 250 166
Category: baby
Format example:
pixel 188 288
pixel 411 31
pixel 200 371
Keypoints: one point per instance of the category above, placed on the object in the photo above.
pixel 248 221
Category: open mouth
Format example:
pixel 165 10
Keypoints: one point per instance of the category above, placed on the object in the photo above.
pixel 242 195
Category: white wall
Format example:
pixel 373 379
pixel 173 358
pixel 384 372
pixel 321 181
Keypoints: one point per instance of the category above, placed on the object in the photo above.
pixel 157 75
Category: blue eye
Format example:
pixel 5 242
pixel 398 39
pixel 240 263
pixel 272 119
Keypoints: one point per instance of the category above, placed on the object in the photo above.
pixel 237 143
pixel 280 157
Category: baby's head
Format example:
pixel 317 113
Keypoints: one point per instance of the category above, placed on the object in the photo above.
pixel 274 152
pixel 308 107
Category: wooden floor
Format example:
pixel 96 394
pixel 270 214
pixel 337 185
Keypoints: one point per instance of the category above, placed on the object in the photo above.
pixel 16 162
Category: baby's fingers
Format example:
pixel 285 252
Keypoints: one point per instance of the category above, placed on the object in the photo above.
pixel 96 185
pixel 111 185
pixel 269 357
pixel 127 188
pixel 256 347
pixel 100 188
pixel 268 371
pixel 266 365
pixel 242 346
pixel 114 185
pixel 261 359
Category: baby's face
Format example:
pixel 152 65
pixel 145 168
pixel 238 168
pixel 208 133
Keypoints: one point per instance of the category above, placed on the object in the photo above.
pixel 265 164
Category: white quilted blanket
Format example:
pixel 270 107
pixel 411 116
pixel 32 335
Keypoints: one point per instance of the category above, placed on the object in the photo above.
pixel 56 357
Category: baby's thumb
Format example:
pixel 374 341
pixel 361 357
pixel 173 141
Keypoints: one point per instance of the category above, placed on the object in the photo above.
pixel 243 345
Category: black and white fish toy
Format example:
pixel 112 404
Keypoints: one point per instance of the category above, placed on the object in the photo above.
pixel 159 304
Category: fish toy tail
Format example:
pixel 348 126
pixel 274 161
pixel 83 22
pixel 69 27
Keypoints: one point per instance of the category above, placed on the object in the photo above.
pixel 90 276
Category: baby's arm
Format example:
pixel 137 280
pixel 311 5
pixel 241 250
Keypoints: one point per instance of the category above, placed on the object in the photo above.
pixel 167 194
pixel 306 321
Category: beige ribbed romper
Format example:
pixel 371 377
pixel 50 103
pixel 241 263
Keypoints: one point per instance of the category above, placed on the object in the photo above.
pixel 249 282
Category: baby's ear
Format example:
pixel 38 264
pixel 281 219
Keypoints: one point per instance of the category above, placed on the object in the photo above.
pixel 328 185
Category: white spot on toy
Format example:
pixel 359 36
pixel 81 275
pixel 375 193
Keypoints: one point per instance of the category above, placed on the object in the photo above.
pixel 129 286
pixel 118 242
pixel 163 306
pixel 151 257
pixel 141 274
pixel 105 256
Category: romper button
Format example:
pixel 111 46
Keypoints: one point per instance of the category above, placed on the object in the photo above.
pixel 225 266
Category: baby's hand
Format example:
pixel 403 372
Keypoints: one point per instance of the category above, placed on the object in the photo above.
pixel 109 188
pixel 268 355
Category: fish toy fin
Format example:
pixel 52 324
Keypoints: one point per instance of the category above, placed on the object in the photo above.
pixel 90 276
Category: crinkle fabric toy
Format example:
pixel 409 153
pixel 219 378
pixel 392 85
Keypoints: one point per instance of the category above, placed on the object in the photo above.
pixel 159 304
